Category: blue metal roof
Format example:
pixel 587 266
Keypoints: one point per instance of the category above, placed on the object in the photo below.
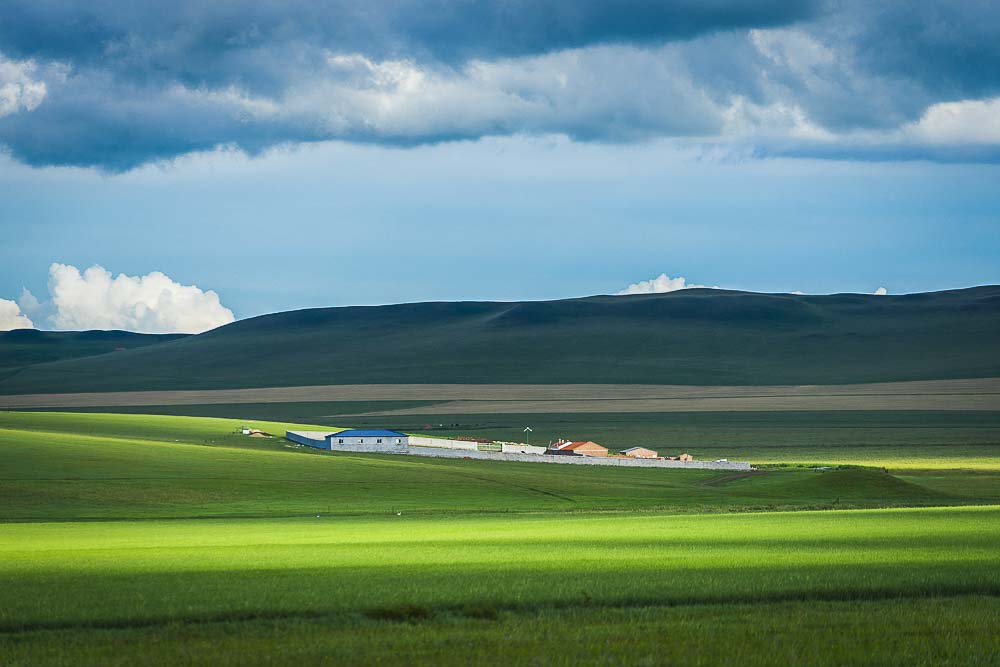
pixel 373 433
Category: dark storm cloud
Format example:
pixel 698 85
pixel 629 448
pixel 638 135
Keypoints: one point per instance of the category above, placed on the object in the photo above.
pixel 116 84
pixel 91 122
pixel 199 41
pixel 893 59
pixel 949 47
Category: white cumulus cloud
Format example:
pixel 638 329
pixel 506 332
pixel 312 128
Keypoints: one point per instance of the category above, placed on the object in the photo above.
pixel 153 303
pixel 964 122
pixel 881 291
pixel 18 90
pixel 12 318
pixel 28 302
pixel 662 283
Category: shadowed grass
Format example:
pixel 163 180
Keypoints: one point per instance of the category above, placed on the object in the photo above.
pixel 932 631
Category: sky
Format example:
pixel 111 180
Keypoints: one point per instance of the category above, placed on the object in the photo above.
pixel 173 169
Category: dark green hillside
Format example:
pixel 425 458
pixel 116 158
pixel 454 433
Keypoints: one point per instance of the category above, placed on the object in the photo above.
pixel 25 347
pixel 687 337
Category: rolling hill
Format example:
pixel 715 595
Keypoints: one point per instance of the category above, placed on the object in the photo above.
pixel 708 337
pixel 26 347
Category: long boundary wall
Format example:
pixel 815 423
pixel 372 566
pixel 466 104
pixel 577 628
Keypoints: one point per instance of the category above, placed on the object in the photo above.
pixel 514 448
pixel 441 443
pixel 439 452
pixel 580 460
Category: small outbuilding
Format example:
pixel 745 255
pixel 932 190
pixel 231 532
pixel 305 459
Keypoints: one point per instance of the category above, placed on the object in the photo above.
pixel 640 453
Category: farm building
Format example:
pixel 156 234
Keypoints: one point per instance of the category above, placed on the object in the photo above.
pixel 640 453
pixel 376 438
pixel 586 448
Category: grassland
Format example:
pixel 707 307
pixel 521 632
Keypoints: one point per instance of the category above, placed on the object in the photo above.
pixel 437 585
pixel 969 394
pixel 905 439
pixel 869 534
pixel 891 439
pixel 137 539
pixel 905 631
pixel 134 571
pixel 89 466
pixel 689 337
pixel 21 348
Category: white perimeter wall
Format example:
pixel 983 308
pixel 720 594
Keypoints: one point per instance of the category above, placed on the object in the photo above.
pixel 513 448
pixel 465 445
pixel 421 441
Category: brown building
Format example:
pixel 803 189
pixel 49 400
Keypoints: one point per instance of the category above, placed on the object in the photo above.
pixel 640 453
pixel 587 448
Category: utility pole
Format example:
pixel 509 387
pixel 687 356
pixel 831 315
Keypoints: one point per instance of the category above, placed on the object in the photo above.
pixel 527 435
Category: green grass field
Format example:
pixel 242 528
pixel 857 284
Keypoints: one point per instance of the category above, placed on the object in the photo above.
pixel 84 466
pixel 894 439
pixel 134 539
pixel 439 577
pixel 904 631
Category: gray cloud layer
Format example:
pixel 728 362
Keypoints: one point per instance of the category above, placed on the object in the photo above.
pixel 114 84
pixel 201 42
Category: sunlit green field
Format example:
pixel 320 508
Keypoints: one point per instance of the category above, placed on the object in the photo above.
pixel 131 539
pixel 490 572
pixel 134 571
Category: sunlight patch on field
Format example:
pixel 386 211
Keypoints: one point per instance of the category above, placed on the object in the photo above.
pixel 202 569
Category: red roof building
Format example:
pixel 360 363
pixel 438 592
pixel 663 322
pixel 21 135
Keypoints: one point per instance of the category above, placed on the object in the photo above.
pixel 585 448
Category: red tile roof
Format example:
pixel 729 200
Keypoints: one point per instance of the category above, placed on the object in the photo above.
pixel 578 445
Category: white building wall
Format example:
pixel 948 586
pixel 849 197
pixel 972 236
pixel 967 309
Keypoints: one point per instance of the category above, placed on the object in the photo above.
pixel 380 444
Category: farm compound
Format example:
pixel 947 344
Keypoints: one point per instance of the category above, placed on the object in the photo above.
pixel 383 441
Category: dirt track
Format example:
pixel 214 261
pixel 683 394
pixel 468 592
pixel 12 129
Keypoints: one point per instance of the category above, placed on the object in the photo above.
pixel 977 394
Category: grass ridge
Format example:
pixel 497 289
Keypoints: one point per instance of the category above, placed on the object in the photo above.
pixel 474 609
